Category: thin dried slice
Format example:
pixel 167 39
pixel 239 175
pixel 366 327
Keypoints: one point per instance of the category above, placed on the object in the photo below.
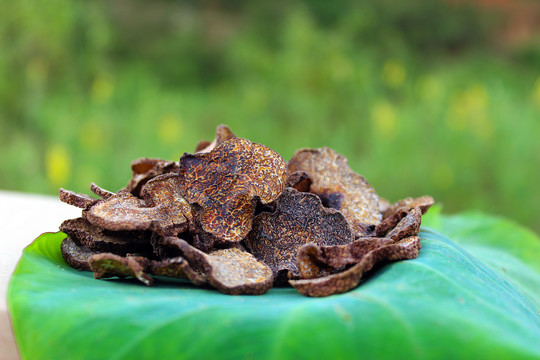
pixel 226 182
pixel 223 133
pixel 99 240
pixel 107 265
pixel 76 255
pixel 384 205
pixel 177 268
pixel 299 180
pixel 79 200
pixel 231 271
pixel 299 219
pixel 102 193
pixel 408 226
pixel 164 210
pixel 341 282
pixel 338 186
pixel 422 202
pixel 315 261
pixel 145 169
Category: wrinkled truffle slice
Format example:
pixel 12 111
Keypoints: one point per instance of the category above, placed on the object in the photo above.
pixel 344 281
pixel 75 255
pixel 102 193
pixel 226 182
pixel 107 265
pixel 299 180
pixel 177 268
pixel 231 271
pixel 423 202
pixel 145 169
pixel 78 200
pixel 338 186
pixel 314 260
pixel 99 240
pixel 408 226
pixel 223 133
pixel 164 210
pixel 299 219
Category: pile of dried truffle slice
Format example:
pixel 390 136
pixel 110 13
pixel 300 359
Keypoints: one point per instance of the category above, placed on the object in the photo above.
pixel 235 216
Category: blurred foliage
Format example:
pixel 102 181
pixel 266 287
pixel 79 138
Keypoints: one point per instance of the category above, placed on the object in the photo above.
pixel 417 94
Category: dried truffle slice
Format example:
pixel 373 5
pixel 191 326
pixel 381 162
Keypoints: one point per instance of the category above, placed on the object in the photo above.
pixel 314 260
pixel 408 226
pixel 102 193
pixel 299 219
pixel 338 186
pixel 177 268
pixel 226 182
pixel 107 265
pixel 164 210
pixel 344 281
pixel 231 271
pixel 79 200
pixel 75 255
pixel 299 180
pixel 99 240
pixel 223 133
pixel 145 169
pixel 422 202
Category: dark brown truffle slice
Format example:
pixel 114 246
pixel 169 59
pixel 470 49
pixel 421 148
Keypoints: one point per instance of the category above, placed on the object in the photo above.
pixel 299 180
pixel 422 202
pixel 338 186
pixel 299 219
pixel 102 193
pixel 315 261
pixel 226 182
pixel 344 281
pixel 107 265
pixel 223 133
pixel 75 255
pixel 79 200
pixel 408 226
pixel 177 268
pixel 99 240
pixel 145 169
pixel 231 271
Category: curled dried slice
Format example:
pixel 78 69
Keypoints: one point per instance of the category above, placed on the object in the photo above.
pixel 223 133
pixel 231 271
pixel 408 226
pixel 314 260
pixel 422 202
pixel 344 281
pixel 177 268
pixel 76 255
pixel 164 210
pixel 79 200
pixel 226 182
pixel 299 219
pixel 299 180
pixel 99 240
pixel 338 186
pixel 107 265
pixel 145 169
pixel 102 193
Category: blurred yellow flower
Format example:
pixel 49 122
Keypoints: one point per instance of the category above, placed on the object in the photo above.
pixel 393 74
pixel 102 90
pixel 536 92
pixel 384 119
pixel 428 87
pixel 443 176
pixel 57 165
pixel 169 129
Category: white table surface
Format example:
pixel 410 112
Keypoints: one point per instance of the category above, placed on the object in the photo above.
pixel 23 217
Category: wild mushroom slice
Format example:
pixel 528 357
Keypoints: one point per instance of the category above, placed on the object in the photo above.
pixel 226 182
pixel 177 268
pixel 81 201
pixel 75 255
pixel 338 186
pixel 408 226
pixel 102 193
pixel 223 133
pixel 107 265
pixel 422 202
pixel 145 169
pixel 299 219
pixel 346 280
pixel 299 180
pixel 231 271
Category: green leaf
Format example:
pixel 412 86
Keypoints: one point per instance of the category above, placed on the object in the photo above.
pixel 444 304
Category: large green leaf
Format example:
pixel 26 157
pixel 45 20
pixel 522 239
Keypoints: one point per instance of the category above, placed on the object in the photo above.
pixel 444 304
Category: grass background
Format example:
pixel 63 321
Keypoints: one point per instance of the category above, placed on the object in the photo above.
pixel 438 97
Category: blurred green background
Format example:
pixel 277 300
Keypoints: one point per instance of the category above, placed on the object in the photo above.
pixel 423 97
